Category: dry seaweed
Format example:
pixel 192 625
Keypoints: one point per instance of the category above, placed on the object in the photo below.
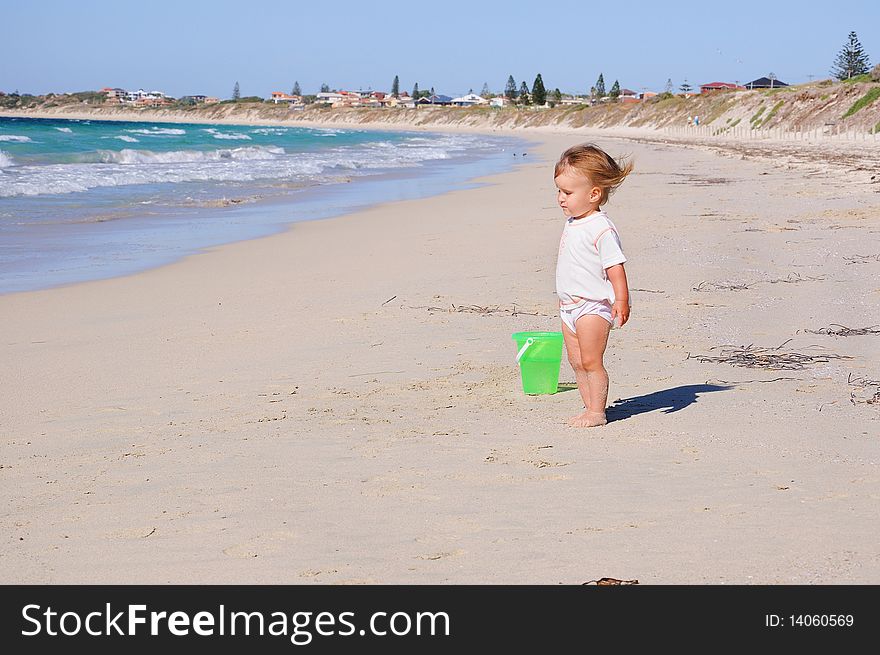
pixel 862 259
pixel 863 391
pixel 489 309
pixel 791 278
pixel 770 359
pixel 721 286
pixel 836 330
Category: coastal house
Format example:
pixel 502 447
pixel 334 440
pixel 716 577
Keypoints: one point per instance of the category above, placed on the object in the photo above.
pixel 644 95
pixel 196 100
pixel 469 100
pixel 280 96
pixel 328 97
pixel 765 83
pixel 114 95
pixel 720 86
pixel 499 102
pixel 573 100
pixel 628 95
pixel 435 100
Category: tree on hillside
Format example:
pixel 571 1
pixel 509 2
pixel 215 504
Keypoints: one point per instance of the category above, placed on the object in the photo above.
pixel 539 93
pixel 510 89
pixel 236 92
pixel 557 95
pixel 600 87
pixel 615 90
pixel 524 96
pixel 395 87
pixel 325 88
pixel 485 92
pixel 851 60
pixel 296 90
pixel 668 87
pixel 685 87
pixel 415 93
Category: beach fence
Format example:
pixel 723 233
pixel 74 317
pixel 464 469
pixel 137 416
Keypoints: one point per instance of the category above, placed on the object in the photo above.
pixel 825 133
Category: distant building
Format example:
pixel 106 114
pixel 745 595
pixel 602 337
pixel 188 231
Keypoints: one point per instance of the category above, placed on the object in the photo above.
pixel 628 95
pixel 279 96
pixel 470 100
pixel 328 97
pixel 765 83
pixel 114 95
pixel 500 102
pixel 720 86
pixel 647 94
pixel 198 100
pixel 435 99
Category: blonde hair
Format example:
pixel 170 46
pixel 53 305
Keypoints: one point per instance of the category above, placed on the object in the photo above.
pixel 596 165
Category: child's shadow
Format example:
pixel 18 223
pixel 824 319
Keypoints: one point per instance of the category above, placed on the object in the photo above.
pixel 669 400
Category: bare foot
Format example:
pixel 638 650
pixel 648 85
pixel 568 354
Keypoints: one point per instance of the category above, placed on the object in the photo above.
pixel 588 420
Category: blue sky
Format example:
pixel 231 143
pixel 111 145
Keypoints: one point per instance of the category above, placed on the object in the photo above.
pixel 201 47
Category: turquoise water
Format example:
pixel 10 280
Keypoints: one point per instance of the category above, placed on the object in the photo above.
pixel 83 200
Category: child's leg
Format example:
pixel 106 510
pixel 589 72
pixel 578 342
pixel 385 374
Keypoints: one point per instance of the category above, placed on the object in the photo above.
pixel 586 348
pixel 573 350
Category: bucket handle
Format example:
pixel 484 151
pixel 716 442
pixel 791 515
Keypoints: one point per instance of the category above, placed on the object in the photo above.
pixel 522 350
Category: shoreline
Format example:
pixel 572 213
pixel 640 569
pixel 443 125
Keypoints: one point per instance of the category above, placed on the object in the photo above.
pixel 259 216
pixel 283 410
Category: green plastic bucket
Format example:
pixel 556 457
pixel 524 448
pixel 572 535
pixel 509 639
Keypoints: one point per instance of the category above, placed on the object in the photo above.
pixel 539 355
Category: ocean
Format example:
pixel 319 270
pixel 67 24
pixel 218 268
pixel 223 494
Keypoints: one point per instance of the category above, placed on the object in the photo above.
pixel 83 200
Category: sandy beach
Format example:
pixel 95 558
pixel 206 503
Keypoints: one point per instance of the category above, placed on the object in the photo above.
pixel 340 404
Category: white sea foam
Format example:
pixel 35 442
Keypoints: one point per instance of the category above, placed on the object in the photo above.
pixel 159 131
pixel 5 160
pixel 110 168
pixel 234 136
pixel 126 138
pixel 128 156
pixel 64 129
pixel 14 137
pixel 272 131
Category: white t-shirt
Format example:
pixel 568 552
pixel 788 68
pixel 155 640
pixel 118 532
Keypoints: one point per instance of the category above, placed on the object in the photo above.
pixel 588 246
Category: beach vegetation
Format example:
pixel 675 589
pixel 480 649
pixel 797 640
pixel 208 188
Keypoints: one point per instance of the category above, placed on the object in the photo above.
pixel 772 112
pixel 863 102
pixel 757 115
pixel 875 73
pixel 852 60
pixel 510 88
pixel 734 123
pixel 539 93
pixel 865 77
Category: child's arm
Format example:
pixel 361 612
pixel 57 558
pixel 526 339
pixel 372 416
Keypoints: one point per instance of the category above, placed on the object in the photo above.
pixel 617 275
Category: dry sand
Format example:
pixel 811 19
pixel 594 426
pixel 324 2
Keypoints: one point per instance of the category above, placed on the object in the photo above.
pixel 305 408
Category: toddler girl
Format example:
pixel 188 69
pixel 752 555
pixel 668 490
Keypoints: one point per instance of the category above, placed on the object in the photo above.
pixel 590 278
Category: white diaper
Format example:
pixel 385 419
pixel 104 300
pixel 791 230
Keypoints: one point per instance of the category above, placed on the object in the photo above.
pixel 571 313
